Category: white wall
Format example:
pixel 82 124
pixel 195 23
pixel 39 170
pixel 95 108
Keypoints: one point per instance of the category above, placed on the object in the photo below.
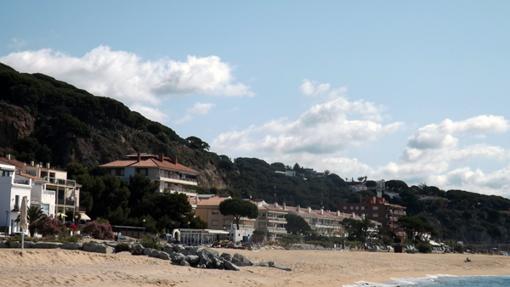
pixel 8 192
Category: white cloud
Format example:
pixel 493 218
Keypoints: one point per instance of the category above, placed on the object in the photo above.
pixel 435 155
pixel 127 77
pixel 317 137
pixel 151 113
pixel 312 88
pixel 198 109
pixel 443 134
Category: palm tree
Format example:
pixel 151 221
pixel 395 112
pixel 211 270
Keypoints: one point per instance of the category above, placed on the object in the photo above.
pixel 35 215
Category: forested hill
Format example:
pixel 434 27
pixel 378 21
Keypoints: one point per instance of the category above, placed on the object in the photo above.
pixel 47 120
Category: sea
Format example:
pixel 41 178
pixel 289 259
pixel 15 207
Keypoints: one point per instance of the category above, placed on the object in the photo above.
pixel 442 281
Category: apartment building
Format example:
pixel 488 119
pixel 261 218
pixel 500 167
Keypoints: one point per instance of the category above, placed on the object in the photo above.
pixel 323 222
pixel 13 187
pixel 56 195
pixel 376 208
pixel 171 176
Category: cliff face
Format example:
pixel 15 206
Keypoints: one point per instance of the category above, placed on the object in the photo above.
pixel 47 120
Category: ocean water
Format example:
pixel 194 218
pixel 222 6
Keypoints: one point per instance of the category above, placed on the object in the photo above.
pixel 443 281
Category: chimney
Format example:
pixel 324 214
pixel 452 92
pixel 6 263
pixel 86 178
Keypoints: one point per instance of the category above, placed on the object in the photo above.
pixel 322 210
pixel 309 209
pixel 284 206
pixel 338 213
pixel 48 165
pixel 161 157
pixel 139 157
pixel 32 163
pixel 9 156
pixel 298 208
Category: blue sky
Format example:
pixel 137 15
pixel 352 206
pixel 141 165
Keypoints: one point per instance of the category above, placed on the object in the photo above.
pixel 356 87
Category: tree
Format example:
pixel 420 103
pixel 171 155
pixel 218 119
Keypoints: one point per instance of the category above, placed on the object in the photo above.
pixel 238 208
pixel 197 143
pixel 415 225
pixel 358 230
pixel 34 215
pixel 297 225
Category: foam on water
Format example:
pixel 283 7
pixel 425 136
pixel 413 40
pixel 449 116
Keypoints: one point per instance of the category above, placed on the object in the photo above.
pixel 440 280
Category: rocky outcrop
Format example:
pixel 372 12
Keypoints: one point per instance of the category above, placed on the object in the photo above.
pixel 15 123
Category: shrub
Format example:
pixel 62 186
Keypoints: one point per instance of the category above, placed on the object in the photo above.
pixel 150 242
pixel 424 247
pixel 49 227
pixel 98 230
pixel 122 247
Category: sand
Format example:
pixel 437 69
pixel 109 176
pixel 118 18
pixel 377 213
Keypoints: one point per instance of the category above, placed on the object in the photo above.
pixel 310 268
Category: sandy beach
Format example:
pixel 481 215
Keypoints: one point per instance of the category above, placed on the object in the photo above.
pixel 310 268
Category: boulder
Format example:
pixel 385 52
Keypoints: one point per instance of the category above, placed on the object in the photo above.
pixel 29 244
pixel 137 249
pixel 159 254
pixel 71 245
pixel 47 245
pixel 241 260
pixel 97 248
pixel 230 266
pixel 177 258
pixel 147 251
pixel 226 256
pixel 193 260
pixel 14 244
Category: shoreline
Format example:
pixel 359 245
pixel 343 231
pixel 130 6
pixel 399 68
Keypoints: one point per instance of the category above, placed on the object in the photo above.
pixel 309 268
pixel 396 282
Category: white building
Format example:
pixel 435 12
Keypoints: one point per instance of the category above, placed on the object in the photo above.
pixel 51 190
pixel 13 188
pixel 167 172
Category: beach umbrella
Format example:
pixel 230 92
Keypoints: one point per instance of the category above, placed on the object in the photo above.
pixel 23 219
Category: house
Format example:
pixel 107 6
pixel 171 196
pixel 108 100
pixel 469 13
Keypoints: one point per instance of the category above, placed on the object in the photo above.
pixel 13 187
pixel 51 190
pixel 170 175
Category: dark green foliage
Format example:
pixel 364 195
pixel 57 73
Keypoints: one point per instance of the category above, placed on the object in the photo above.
pixel 455 214
pixel 415 225
pixel 424 247
pixel 151 242
pixel 34 215
pixel 358 230
pixel 196 143
pixel 257 179
pixel 121 247
pixel 238 208
pixel 297 225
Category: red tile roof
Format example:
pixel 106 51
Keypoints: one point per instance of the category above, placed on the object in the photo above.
pixel 150 161
pixel 18 164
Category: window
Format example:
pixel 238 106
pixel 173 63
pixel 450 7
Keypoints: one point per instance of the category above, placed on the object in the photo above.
pixel 142 171
pixel 6 173
pixel 119 171
pixel 16 203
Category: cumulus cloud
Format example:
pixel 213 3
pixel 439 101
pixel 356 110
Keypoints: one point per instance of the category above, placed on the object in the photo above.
pixel 127 77
pixel 442 135
pixel 316 137
pixel 198 109
pixel 437 154
pixel 312 88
